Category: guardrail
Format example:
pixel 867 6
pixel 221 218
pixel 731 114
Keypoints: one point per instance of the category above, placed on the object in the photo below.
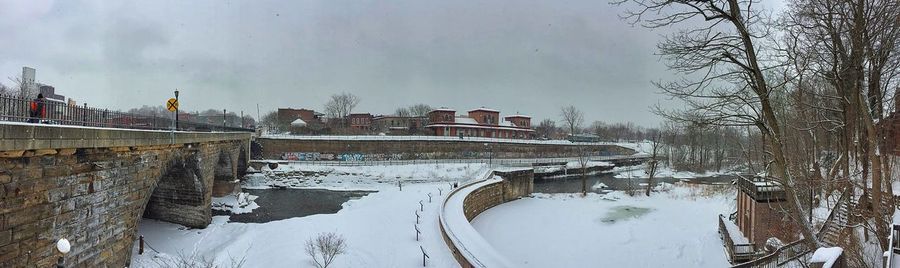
pixel 13 109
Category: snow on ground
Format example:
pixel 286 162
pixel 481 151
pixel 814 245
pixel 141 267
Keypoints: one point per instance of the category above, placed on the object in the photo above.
pixel 674 229
pixel 296 175
pixel 667 172
pixel 237 203
pixel 378 228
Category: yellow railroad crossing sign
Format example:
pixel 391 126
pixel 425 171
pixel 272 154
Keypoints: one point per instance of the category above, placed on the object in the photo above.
pixel 172 105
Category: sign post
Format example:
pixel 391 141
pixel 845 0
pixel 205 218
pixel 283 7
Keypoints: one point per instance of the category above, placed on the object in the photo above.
pixel 172 106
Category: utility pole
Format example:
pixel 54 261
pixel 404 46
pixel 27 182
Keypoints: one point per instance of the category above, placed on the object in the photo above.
pixel 176 109
pixel 242 118
pixel 224 118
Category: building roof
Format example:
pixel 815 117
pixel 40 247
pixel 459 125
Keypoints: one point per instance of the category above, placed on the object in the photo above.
pixel 517 115
pixel 298 123
pixel 480 127
pixel 484 109
pixel 442 109
pixel 465 120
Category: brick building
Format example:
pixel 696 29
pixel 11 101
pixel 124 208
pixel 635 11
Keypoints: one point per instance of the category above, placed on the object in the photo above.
pixel 890 127
pixel 360 121
pixel 399 125
pixel 481 122
pixel 761 211
pixel 312 118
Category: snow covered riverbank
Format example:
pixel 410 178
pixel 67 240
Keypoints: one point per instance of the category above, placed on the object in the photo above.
pixel 677 228
pixel 379 230
pixel 304 176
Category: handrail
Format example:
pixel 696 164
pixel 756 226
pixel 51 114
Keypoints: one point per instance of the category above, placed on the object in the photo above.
pixel 13 109
pixel 731 248
pixel 776 258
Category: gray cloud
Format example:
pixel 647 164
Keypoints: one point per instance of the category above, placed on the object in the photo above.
pixel 517 56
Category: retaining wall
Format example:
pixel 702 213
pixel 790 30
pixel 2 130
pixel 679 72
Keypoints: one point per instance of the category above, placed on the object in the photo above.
pixel 464 242
pixel 379 150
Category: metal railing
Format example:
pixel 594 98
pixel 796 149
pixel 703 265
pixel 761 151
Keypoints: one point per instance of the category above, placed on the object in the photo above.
pixel 13 109
pixel 736 252
pixel 761 189
pixel 781 256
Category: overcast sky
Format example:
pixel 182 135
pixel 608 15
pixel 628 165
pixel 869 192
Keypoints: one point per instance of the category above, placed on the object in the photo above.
pixel 530 57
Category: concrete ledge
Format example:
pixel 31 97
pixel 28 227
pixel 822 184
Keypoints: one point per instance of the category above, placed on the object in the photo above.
pixel 466 202
pixel 23 137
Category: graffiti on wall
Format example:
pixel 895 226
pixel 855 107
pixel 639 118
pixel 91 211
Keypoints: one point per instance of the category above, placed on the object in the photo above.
pixel 315 156
pixel 354 156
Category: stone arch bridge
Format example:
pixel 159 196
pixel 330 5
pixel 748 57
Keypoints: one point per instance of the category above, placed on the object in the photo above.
pixel 92 186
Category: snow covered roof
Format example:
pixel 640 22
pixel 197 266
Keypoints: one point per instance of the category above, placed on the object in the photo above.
pixel 484 109
pixel 298 123
pixel 465 120
pixel 518 115
pixel 507 124
pixel 442 109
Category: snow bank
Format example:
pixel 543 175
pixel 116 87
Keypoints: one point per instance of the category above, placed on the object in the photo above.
pixel 296 175
pixel 378 228
pixel 239 203
pixel 566 230
pixel 827 256
pixel 667 172
pixel 469 242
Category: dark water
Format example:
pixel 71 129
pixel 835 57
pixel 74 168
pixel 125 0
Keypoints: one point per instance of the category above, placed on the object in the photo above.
pixel 275 204
pixel 573 184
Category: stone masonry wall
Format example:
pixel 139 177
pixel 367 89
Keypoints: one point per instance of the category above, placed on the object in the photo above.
pixel 515 185
pixel 411 149
pixel 96 196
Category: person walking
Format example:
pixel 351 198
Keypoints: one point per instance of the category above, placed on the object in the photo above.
pixel 38 111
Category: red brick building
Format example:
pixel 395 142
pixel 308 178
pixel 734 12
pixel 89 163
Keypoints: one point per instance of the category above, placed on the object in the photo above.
pixel 287 115
pixel 890 127
pixel 361 121
pixel 481 122
pixel 399 125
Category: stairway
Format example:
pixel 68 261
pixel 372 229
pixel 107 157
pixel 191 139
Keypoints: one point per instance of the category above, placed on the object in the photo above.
pixel 830 234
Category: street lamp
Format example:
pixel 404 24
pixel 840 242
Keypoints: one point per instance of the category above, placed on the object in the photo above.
pixel 176 109
pixel 63 246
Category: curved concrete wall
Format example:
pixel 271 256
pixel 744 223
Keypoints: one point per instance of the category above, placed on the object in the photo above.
pixel 465 203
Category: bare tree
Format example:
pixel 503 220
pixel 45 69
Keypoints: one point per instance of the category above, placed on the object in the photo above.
pixel 401 112
pixel 572 118
pixel 24 89
pixel 340 106
pixel 419 110
pixel 546 128
pixel 583 159
pixel 653 163
pixel 324 248
pixel 723 70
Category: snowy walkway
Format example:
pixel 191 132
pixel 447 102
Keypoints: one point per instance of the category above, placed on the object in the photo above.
pixel 570 231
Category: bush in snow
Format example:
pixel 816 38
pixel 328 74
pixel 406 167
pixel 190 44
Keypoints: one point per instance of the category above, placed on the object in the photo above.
pixel 324 248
